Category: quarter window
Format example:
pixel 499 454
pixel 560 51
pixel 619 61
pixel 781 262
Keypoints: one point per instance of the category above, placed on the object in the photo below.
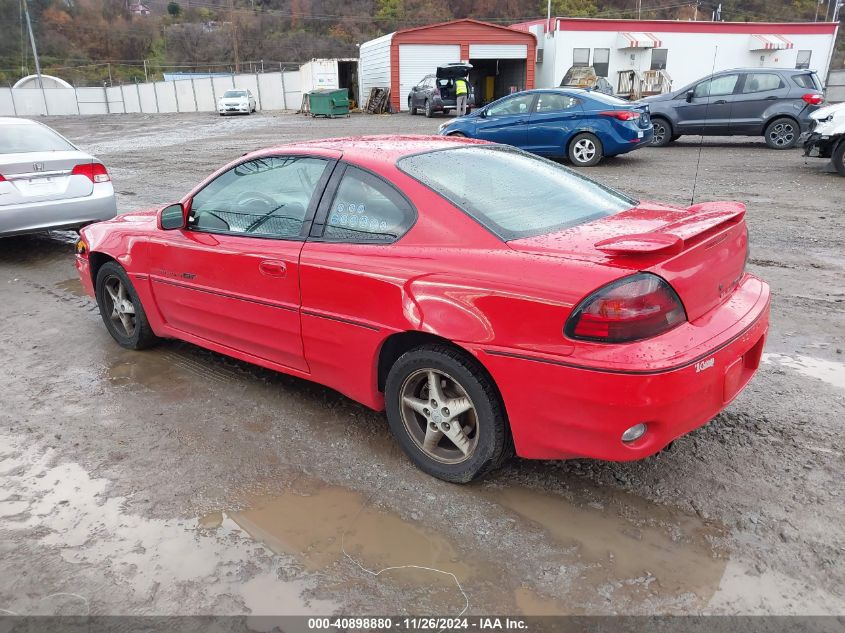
pixel 265 197
pixel 803 59
pixel 716 87
pixel 367 209
pixel 761 82
pixel 552 102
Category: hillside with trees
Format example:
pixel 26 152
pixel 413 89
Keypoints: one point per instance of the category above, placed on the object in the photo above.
pixel 92 42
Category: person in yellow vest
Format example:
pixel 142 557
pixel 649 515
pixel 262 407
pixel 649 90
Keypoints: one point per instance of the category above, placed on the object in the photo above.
pixel 461 92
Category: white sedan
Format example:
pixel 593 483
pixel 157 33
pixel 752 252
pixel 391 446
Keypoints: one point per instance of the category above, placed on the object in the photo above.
pixel 236 101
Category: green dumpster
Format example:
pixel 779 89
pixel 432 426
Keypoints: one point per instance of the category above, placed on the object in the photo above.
pixel 329 102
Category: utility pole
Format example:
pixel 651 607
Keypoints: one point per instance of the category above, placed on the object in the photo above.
pixel 234 36
pixel 32 41
pixel 639 9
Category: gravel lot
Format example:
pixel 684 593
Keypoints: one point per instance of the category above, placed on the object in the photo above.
pixel 179 481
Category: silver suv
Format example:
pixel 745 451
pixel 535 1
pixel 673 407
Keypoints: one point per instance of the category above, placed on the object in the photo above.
pixel 774 103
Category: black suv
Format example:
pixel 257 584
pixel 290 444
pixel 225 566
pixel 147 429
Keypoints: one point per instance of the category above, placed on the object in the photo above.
pixel 436 93
pixel 771 102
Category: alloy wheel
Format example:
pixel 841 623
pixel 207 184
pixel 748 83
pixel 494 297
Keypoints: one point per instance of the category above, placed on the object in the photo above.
pixel 659 133
pixel 439 416
pixel 119 306
pixel 584 150
pixel 782 134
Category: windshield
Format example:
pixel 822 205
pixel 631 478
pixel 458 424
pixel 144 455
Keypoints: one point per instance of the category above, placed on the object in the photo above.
pixel 512 193
pixel 24 137
pixel 233 93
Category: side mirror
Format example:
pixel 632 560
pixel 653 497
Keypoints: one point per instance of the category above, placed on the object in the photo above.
pixel 172 217
pixel 690 95
pixel 483 113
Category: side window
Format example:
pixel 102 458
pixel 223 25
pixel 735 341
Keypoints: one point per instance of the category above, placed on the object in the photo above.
pixel 658 58
pixel 601 61
pixel 367 209
pixel 552 102
pixel 716 87
pixel 761 82
pixel 803 59
pixel 518 104
pixel 580 56
pixel 265 197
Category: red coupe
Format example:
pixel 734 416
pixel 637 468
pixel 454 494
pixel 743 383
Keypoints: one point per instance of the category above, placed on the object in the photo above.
pixel 488 299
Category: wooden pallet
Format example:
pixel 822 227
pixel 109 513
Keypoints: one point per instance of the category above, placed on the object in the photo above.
pixel 379 101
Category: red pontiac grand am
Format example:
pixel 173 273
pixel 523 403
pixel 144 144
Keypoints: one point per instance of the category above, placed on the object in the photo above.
pixel 488 299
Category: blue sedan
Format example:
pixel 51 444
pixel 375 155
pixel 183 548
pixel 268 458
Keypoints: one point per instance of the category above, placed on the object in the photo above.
pixel 582 125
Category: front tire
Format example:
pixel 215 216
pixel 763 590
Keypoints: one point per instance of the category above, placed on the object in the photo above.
pixel 121 308
pixel 585 150
pixel 782 133
pixel 838 158
pixel 411 107
pixel 662 132
pixel 446 414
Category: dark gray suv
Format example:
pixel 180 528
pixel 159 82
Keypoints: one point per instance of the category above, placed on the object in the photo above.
pixel 774 103
pixel 436 93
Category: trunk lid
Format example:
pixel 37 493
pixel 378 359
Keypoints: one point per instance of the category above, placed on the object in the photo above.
pixel 39 176
pixel 453 71
pixel 701 251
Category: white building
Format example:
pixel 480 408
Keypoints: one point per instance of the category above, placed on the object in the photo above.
pixel 683 50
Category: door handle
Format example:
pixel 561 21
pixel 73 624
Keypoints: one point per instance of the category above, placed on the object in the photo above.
pixel 771 98
pixel 273 268
pixel 719 102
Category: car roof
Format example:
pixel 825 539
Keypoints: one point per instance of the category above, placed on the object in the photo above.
pixel 8 120
pixel 381 148
pixel 758 69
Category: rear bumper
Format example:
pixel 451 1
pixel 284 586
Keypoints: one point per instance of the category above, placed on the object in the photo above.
pixel 59 214
pixel 624 139
pixel 559 409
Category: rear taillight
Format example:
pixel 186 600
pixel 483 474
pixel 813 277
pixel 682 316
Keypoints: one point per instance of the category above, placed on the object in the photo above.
pixel 622 115
pixel 813 98
pixel 633 308
pixel 95 172
pixel 2 179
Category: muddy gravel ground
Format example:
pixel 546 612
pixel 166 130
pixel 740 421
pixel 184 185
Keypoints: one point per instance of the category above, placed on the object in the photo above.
pixel 179 481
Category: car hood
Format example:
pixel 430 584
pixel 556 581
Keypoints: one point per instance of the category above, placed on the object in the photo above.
pixel 667 96
pixel 837 110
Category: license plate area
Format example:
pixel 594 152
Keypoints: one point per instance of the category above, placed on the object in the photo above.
pixel 739 372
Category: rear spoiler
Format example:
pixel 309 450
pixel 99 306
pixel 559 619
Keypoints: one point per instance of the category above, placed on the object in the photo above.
pixel 700 220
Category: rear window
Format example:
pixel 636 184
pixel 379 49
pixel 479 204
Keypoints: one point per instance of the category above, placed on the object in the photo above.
pixel 23 137
pixel 608 99
pixel 511 193
pixel 807 80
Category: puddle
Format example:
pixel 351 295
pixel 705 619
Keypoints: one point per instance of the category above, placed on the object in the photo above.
pixel 73 286
pixel 310 523
pixel 831 372
pixel 530 602
pixel 164 566
pixel 626 548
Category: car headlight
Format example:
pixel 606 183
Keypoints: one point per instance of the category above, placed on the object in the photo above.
pixel 443 126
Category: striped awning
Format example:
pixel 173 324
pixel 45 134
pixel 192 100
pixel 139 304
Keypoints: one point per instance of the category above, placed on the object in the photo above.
pixel 769 43
pixel 637 40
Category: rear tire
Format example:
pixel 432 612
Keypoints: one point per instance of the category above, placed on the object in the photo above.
pixel 838 158
pixel 421 386
pixel 662 132
pixel 121 308
pixel 585 150
pixel 782 133
pixel 428 111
